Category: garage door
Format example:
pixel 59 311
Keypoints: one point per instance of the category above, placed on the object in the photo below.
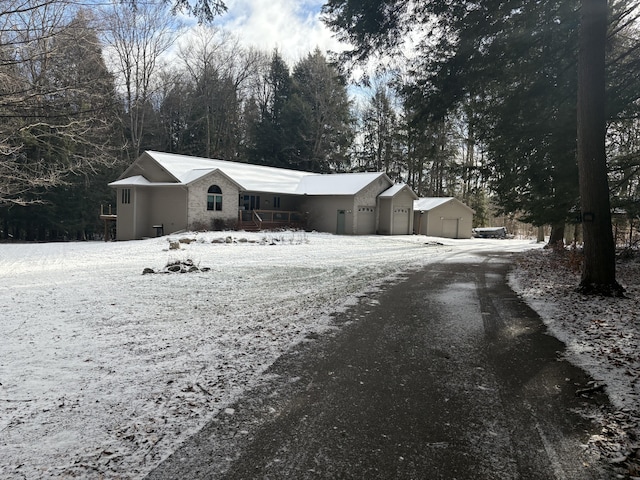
pixel 366 220
pixel 401 220
pixel 450 228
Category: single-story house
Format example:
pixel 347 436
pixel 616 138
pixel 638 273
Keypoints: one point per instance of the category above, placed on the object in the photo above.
pixel 444 217
pixel 163 192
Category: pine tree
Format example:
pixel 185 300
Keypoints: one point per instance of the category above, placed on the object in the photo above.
pixel 598 273
pixel 319 116
pixel 270 142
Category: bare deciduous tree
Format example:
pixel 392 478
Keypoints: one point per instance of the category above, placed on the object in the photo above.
pixel 223 77
pixel 52 106
pixel 136 37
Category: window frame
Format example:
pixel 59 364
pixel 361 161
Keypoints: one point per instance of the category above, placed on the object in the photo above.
pixel 214 199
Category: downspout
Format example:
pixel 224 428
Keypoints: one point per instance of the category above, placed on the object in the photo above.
pixel 186 205
pixel 392 216
pixel 411 218
pixel 377 214
pixel 134 191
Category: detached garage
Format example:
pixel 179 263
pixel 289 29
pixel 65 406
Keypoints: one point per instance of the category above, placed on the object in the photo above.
pixel 444 217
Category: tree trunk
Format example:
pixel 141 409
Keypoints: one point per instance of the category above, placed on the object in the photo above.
pixel 598 274
pixel 556 238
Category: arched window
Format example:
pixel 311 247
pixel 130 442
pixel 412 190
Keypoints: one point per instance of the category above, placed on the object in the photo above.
pixel 214 198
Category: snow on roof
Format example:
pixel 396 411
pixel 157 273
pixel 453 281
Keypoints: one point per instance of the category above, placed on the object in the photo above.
pixel 195 174
pixel 395 189
pixel 130 181
pixel 429 203
pixel 257 178
pixel 336 183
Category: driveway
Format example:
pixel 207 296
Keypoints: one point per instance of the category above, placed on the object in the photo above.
pixel 442 374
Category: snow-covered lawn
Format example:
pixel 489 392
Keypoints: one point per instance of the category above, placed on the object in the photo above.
pixel 104 371
pixel 602 335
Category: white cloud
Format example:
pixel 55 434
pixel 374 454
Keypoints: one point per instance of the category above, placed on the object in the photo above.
pixel 292 26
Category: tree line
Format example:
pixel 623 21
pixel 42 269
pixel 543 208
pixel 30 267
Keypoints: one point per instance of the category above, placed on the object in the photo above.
pixel 85 91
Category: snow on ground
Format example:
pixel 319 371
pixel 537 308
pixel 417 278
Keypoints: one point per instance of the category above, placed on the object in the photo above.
pixel 104 370
pixel 602 336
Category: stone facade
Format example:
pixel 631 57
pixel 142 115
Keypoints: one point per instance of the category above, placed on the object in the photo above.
pixel 199 216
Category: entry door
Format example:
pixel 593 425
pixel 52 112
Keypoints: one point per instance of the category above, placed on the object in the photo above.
pixel 251 202
pixel 341 222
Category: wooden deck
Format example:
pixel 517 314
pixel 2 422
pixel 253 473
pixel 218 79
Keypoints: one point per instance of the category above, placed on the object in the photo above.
pixel 108 218
pixel 257 220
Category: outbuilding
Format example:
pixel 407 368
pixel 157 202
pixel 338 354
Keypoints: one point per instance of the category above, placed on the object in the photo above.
pixel 444 217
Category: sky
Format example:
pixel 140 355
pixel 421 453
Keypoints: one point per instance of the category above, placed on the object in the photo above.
pixel 292 26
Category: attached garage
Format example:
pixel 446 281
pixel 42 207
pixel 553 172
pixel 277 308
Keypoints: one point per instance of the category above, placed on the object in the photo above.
pixel 396 210
pixel 445 217
pixel 366 220
pixel 401 219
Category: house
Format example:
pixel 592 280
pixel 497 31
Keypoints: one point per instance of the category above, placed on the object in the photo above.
pixel 164 193
pixel 442 217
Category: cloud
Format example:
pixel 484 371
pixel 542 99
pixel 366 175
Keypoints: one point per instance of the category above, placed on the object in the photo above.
pixel 292 26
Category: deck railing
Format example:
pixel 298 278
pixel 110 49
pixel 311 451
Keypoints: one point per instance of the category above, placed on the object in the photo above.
pixel 272 218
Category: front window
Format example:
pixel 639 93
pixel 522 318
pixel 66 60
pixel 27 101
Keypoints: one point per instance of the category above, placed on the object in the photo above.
pixel 214 198
pixel 126 195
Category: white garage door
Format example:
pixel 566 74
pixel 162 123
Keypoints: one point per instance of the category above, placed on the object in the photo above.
pixel 366 220
pixel 401 220
pixel 450 228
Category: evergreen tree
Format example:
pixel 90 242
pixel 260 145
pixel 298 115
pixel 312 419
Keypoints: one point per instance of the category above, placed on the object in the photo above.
pixel 319 116
pixel 598 272
pixel 270 134
pixel 379 126
pixel 519 61
pixel 175 112
pixel 304 121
